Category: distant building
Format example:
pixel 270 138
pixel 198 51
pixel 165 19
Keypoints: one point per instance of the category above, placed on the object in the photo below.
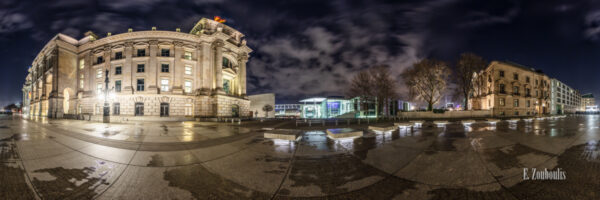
pixel 336 107
pixel 563 99
pixel 288 110
pixel 588 102
pixel 258 102
pixel 510 89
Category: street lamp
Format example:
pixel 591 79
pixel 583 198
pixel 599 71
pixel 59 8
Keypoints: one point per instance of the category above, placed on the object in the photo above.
pixel 106 114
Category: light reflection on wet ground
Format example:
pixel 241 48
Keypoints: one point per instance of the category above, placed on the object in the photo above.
pixel 63 158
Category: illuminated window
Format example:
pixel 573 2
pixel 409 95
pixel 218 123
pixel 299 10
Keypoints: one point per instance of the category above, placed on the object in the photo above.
pixel 188 86
pixel 516 103
pixel 118 86
pixel 99 73
pixel 188 70
pixel 187 55
pixel 501 101
pixel 81 84
pixel 116 108
pixel 164 85
pixel 81 64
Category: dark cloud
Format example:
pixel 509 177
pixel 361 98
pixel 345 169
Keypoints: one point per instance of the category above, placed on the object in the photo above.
pixel 313 47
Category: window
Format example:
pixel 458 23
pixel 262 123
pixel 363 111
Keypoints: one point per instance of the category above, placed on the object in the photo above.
pixel 188 86
pixel 99 73
pixel 118 70
pixel 99 88
pixel 81 84
pixel 81 64
pixel 501 101
pixel 118 86
pixel 188 70
pixel 527 79
pixel 226 86
pixel 164 68
pixel 164 85
pixel 188 109
pixel 139 109
pixel 164 52
pixel 118 55
pixel 187 55
pixel 527 92
pixel 140 68
pixel 227 63
pixel 516 103
pixel 501 73
pixel 99 60
pixel 502 90
pixel 116 108
pixel 140 85
pixel 516 76
pixel 536 93
pixel 141 52
pixel 528 103
pixel 536 82
pixel 164 109
pixel 516 112
pixel 516 90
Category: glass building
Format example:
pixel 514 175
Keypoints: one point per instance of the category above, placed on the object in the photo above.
pixel 335 107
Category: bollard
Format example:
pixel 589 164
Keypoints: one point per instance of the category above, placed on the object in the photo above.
pixel 323 121
pixel 359 121
pixel 309 124
pixel 239 121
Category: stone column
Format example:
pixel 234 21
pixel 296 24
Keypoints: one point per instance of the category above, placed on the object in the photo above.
pixel 242 73
pixel 151 69
pixel 178 68
pixel 127 69
pixel 204 62
pixel 218 65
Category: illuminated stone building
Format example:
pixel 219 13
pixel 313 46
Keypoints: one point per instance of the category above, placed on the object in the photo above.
pixel 510 89
pixel 150 74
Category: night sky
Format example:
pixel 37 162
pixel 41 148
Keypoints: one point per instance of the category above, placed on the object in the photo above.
pixel 307 48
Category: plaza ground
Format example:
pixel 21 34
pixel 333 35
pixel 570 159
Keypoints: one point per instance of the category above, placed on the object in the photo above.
pixel 68 159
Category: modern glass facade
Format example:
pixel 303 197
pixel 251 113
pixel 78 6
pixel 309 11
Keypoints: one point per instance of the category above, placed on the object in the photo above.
pixel 320 107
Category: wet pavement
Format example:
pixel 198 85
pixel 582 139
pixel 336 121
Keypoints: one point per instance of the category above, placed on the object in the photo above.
pixel 67 159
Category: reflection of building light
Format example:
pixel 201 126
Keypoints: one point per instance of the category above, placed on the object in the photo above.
pixel 100 96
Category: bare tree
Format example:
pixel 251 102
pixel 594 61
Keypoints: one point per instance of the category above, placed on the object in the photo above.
pixel 267 108
pixel 361 86
pixel 384 87
pixel 468 65
pixel 427 80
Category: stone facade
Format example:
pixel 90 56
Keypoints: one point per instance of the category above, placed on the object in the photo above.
pixel 510 89
pixel 165 73
pixel 564 99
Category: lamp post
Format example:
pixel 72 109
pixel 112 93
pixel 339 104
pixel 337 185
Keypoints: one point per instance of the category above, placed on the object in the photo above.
pixel 106 113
